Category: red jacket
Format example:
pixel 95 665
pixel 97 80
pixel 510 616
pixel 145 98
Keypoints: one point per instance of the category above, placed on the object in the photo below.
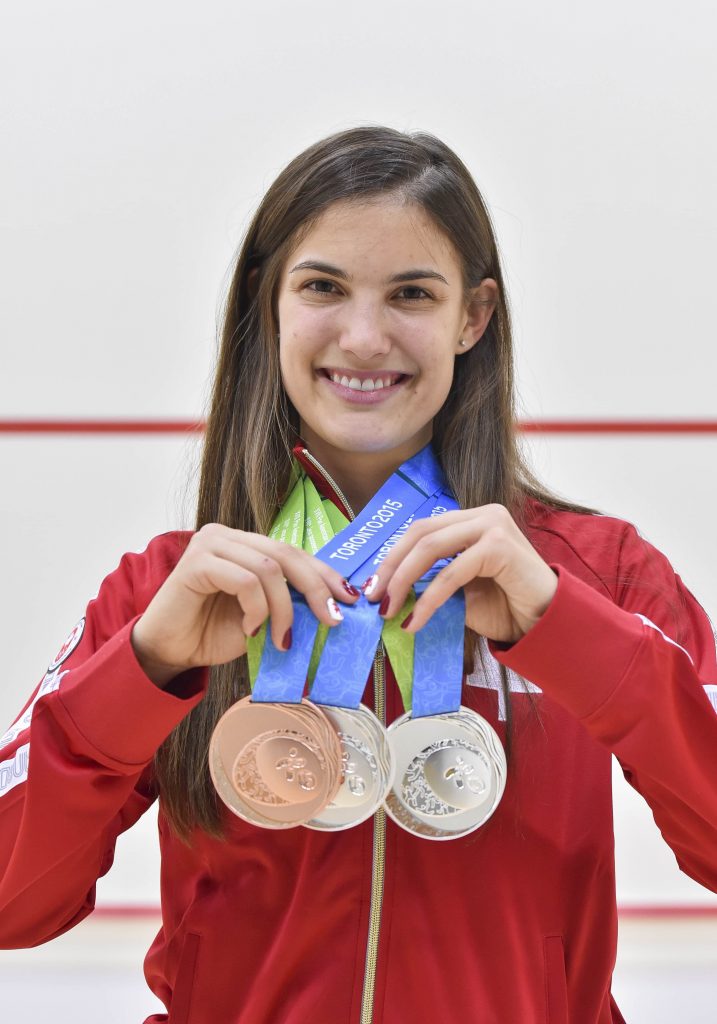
pixel 513 924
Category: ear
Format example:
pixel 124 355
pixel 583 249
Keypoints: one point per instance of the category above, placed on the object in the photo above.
pixel 480 309
pixel 252 282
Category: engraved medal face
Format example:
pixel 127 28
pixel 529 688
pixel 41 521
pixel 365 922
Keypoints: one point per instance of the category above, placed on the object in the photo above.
pixel 446 776
pixel 279 768
pixel 450 773
pixel 275 765
pixel 366 767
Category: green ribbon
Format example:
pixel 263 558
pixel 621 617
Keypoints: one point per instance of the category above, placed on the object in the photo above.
pixel 308 521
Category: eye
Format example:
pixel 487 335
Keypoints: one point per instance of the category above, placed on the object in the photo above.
pixel 320 287
pixel 412 293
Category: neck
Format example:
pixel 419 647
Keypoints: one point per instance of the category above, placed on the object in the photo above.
pixel 360 474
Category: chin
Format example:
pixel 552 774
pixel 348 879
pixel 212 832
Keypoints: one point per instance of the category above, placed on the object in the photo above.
pixel 358 441
pixel 353 443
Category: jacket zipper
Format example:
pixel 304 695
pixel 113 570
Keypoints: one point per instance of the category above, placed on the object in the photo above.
pixel 379 819
pixel 379 857
pixel 330 480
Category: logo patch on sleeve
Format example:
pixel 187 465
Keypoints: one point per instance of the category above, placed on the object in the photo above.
pixel 69 645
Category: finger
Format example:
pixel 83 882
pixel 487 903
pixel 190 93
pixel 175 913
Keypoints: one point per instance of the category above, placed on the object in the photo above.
pixel 339 586
pixel 217 575
pixel 321 586
pixel 291 558
pixel 429 548
pixel 376 585
pixel 474 563
pixel 264 592
pixel 276 563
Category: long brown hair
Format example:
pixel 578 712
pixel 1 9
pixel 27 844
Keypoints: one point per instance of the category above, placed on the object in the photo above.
pixel 251 423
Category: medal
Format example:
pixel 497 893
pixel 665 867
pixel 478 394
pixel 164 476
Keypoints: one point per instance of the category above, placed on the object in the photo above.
pixel 275 765
pixel 279 760
pixel 450 764
pixel 367 769
pixel 450 773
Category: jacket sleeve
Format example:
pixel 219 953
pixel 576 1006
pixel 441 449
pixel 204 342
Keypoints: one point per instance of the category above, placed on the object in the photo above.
pixel 75 767
pixel 640 673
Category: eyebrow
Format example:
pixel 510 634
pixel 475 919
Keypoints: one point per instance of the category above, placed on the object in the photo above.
pixel 415 274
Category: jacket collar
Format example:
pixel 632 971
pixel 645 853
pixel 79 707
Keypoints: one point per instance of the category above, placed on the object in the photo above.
pixel 315 471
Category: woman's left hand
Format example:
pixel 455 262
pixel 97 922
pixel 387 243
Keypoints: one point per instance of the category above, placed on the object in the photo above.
pixel 507 584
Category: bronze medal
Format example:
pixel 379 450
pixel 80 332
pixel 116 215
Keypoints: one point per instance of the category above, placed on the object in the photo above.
pixel 275 765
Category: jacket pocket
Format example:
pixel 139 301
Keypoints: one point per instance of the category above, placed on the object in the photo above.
pixel 179 1011
pixel 556 985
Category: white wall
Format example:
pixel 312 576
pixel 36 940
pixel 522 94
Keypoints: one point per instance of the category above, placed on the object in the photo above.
pixel 139 138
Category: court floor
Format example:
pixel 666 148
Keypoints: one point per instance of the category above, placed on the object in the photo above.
pixel 667 972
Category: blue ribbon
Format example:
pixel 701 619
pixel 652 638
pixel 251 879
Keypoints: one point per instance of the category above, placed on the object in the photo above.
pixel 415 491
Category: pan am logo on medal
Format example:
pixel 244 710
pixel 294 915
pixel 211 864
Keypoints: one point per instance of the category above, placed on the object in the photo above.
pixel 69 645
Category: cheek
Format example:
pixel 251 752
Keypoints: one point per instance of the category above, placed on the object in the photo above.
pixel 434 382
pixel 436 359
pixel 300 320
pixel 295 360
pixel 297 337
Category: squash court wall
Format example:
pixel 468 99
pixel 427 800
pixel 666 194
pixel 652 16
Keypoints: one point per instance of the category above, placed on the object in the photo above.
pixel 138 141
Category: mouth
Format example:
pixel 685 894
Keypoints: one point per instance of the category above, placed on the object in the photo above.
pixel 364 383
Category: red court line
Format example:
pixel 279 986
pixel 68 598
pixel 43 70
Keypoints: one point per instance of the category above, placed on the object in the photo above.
pixel 125 911
pixel 194 427
pixel 618 426
pixel 667 911
pixel 100 426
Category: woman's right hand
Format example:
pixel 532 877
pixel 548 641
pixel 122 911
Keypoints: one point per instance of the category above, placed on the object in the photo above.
pixel 222 589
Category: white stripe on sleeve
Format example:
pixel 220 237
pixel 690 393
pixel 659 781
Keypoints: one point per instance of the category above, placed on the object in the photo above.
pixel 651 624
pixel 14 770
pixel 50 682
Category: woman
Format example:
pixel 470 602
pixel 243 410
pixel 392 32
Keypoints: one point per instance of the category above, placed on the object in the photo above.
pixel 366 322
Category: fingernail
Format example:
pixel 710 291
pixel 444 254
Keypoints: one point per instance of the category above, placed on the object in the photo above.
pixel 351 589
pixel 287 639
pixel 254 632
pixel 383 607
pixel 370 585
pixel 407 621
pixel 334 610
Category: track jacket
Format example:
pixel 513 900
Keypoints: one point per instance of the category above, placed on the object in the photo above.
pixel 513 924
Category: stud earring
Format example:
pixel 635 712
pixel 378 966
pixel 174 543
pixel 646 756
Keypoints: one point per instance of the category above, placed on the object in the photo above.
pixel 462 342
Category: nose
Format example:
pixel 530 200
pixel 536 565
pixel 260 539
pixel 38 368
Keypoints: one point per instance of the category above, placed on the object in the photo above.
pixel 363 333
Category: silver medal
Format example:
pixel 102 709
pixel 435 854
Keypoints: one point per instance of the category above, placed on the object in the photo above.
pixel 450 773
pixel 367 765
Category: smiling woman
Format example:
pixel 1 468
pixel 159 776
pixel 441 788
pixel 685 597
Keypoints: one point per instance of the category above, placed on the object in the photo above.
pixel 371 320
pixel 384 630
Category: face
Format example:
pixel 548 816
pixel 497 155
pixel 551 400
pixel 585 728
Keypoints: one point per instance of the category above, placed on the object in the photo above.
pixel 371 310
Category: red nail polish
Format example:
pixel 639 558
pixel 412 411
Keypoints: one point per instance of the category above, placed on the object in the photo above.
pixel 254 632
pixel 407 620
pixel 385 602
pixel 350 589
pixel 287 639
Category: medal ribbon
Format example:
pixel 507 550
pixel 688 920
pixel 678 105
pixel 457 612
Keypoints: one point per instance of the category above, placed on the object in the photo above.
pixel 429 665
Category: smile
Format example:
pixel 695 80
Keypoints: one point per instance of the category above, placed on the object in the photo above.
pixel 361 385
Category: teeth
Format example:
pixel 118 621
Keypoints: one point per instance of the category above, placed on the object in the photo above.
pixel 368 384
